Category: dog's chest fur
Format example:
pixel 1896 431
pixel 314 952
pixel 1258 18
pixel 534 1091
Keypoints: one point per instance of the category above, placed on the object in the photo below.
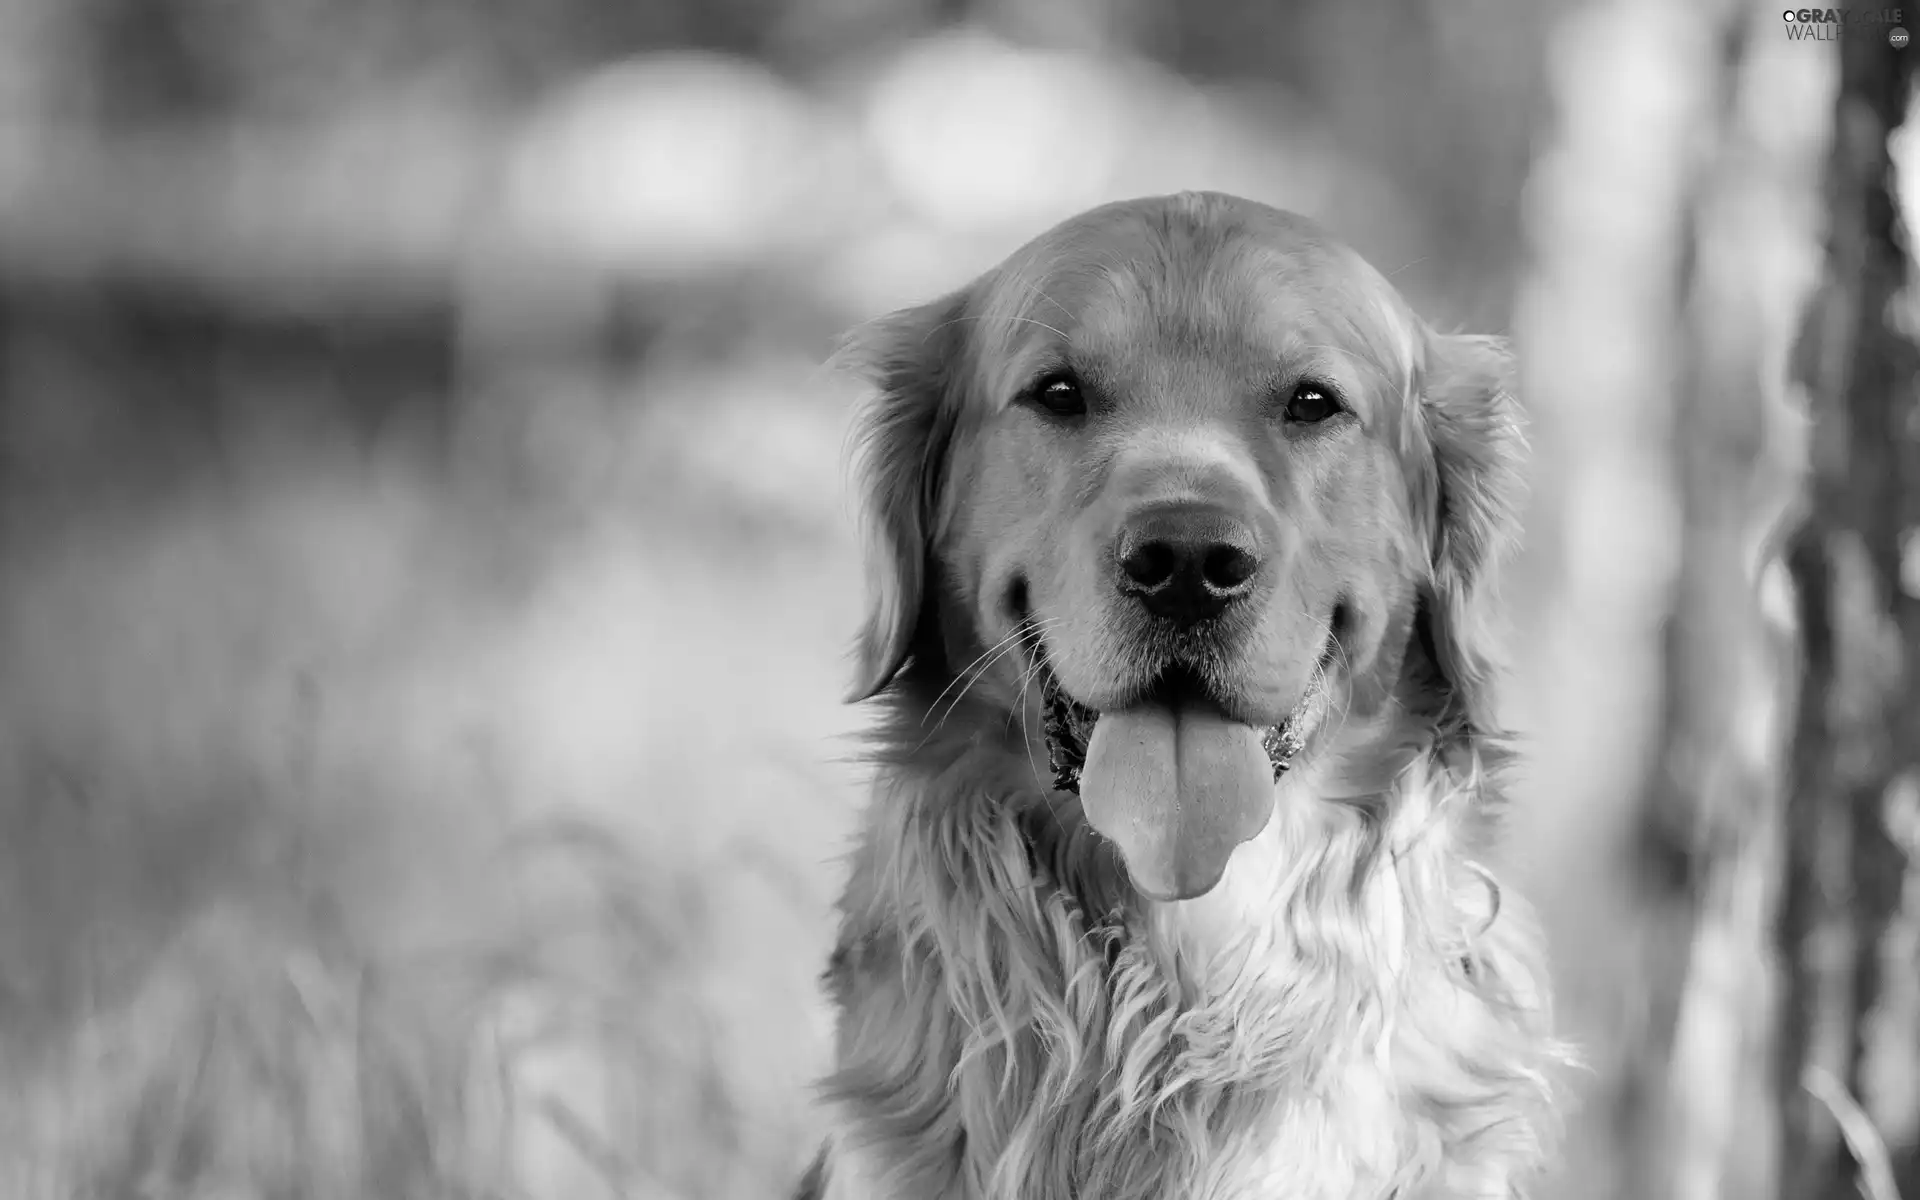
pixel 1307 1031
pixel 1338 1131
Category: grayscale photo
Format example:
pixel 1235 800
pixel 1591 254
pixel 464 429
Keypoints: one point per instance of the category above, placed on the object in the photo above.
pixel 959 600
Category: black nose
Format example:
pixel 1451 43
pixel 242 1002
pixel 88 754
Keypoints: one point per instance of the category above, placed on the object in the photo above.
pixel 1187 563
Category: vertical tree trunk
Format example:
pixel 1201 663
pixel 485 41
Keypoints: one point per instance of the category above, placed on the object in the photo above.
pixel 1694 1107
pixel 1645 330
pixel 1669 686
pixel 1849 1059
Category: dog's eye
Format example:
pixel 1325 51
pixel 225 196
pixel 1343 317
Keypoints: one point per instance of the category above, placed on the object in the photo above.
pixel 1060 395
pixel 1312 403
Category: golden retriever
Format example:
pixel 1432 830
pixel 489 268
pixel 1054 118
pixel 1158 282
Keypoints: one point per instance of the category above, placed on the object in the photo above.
pixel 1170 887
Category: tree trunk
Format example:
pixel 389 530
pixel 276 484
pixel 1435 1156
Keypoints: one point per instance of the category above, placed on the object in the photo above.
pixel 1695 1106
pixel 1653 337
pixel 1848 1065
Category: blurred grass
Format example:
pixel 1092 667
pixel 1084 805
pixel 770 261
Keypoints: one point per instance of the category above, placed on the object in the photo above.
pixel 334 865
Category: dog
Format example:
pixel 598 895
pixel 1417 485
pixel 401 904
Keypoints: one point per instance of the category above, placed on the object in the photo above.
pixel 1172 884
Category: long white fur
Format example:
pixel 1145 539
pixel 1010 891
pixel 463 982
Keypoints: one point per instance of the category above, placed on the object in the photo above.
pixel 1338 1019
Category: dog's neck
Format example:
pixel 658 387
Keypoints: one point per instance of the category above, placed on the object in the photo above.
pixel 1294 1011
pixel 1312 854
pixel 1321 928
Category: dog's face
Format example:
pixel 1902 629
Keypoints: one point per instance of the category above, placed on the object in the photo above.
pixel 1197 471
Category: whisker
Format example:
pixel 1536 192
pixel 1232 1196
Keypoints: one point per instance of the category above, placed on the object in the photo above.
pixel 1039 291
pixel 1346 705
pixel 1061 334
pixel 980 662
pixel 1028 673
pixel 1027 678
pixel 969 680
pixel 1006 645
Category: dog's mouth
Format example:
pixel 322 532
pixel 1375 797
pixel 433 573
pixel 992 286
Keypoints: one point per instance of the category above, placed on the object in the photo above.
pixel 1172 777
pixel 1069 723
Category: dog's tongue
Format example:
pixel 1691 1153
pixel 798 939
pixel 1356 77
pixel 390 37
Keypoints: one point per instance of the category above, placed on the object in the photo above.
pixel 1177 787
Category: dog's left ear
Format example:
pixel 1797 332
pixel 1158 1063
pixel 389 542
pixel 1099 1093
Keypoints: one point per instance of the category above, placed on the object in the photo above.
pixel 1478 439
pixel 912 359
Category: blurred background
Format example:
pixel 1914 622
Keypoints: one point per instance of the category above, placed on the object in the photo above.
pixel 426 561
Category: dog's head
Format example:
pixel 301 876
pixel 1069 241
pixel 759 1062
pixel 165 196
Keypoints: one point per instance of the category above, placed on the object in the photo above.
pixel 1176 481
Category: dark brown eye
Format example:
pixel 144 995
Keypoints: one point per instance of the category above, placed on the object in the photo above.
pixel 1060 395
pixel 1312 403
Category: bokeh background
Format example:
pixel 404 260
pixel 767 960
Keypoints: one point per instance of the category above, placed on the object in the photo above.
pixel 426 558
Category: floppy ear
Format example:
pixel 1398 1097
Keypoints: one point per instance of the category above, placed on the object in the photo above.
pixel 1475 427
pixel 912 359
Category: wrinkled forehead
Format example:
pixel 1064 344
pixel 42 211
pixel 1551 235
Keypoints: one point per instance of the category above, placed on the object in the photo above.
pixel 1129 298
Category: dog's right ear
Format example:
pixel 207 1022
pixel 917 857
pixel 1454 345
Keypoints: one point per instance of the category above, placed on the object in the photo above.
pixel 913 360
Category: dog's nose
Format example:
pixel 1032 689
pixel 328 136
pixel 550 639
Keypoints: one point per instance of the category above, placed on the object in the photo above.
pixel 1186 563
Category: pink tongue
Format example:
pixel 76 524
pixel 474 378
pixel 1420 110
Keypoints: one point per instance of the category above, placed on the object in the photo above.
pixel 1176 788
